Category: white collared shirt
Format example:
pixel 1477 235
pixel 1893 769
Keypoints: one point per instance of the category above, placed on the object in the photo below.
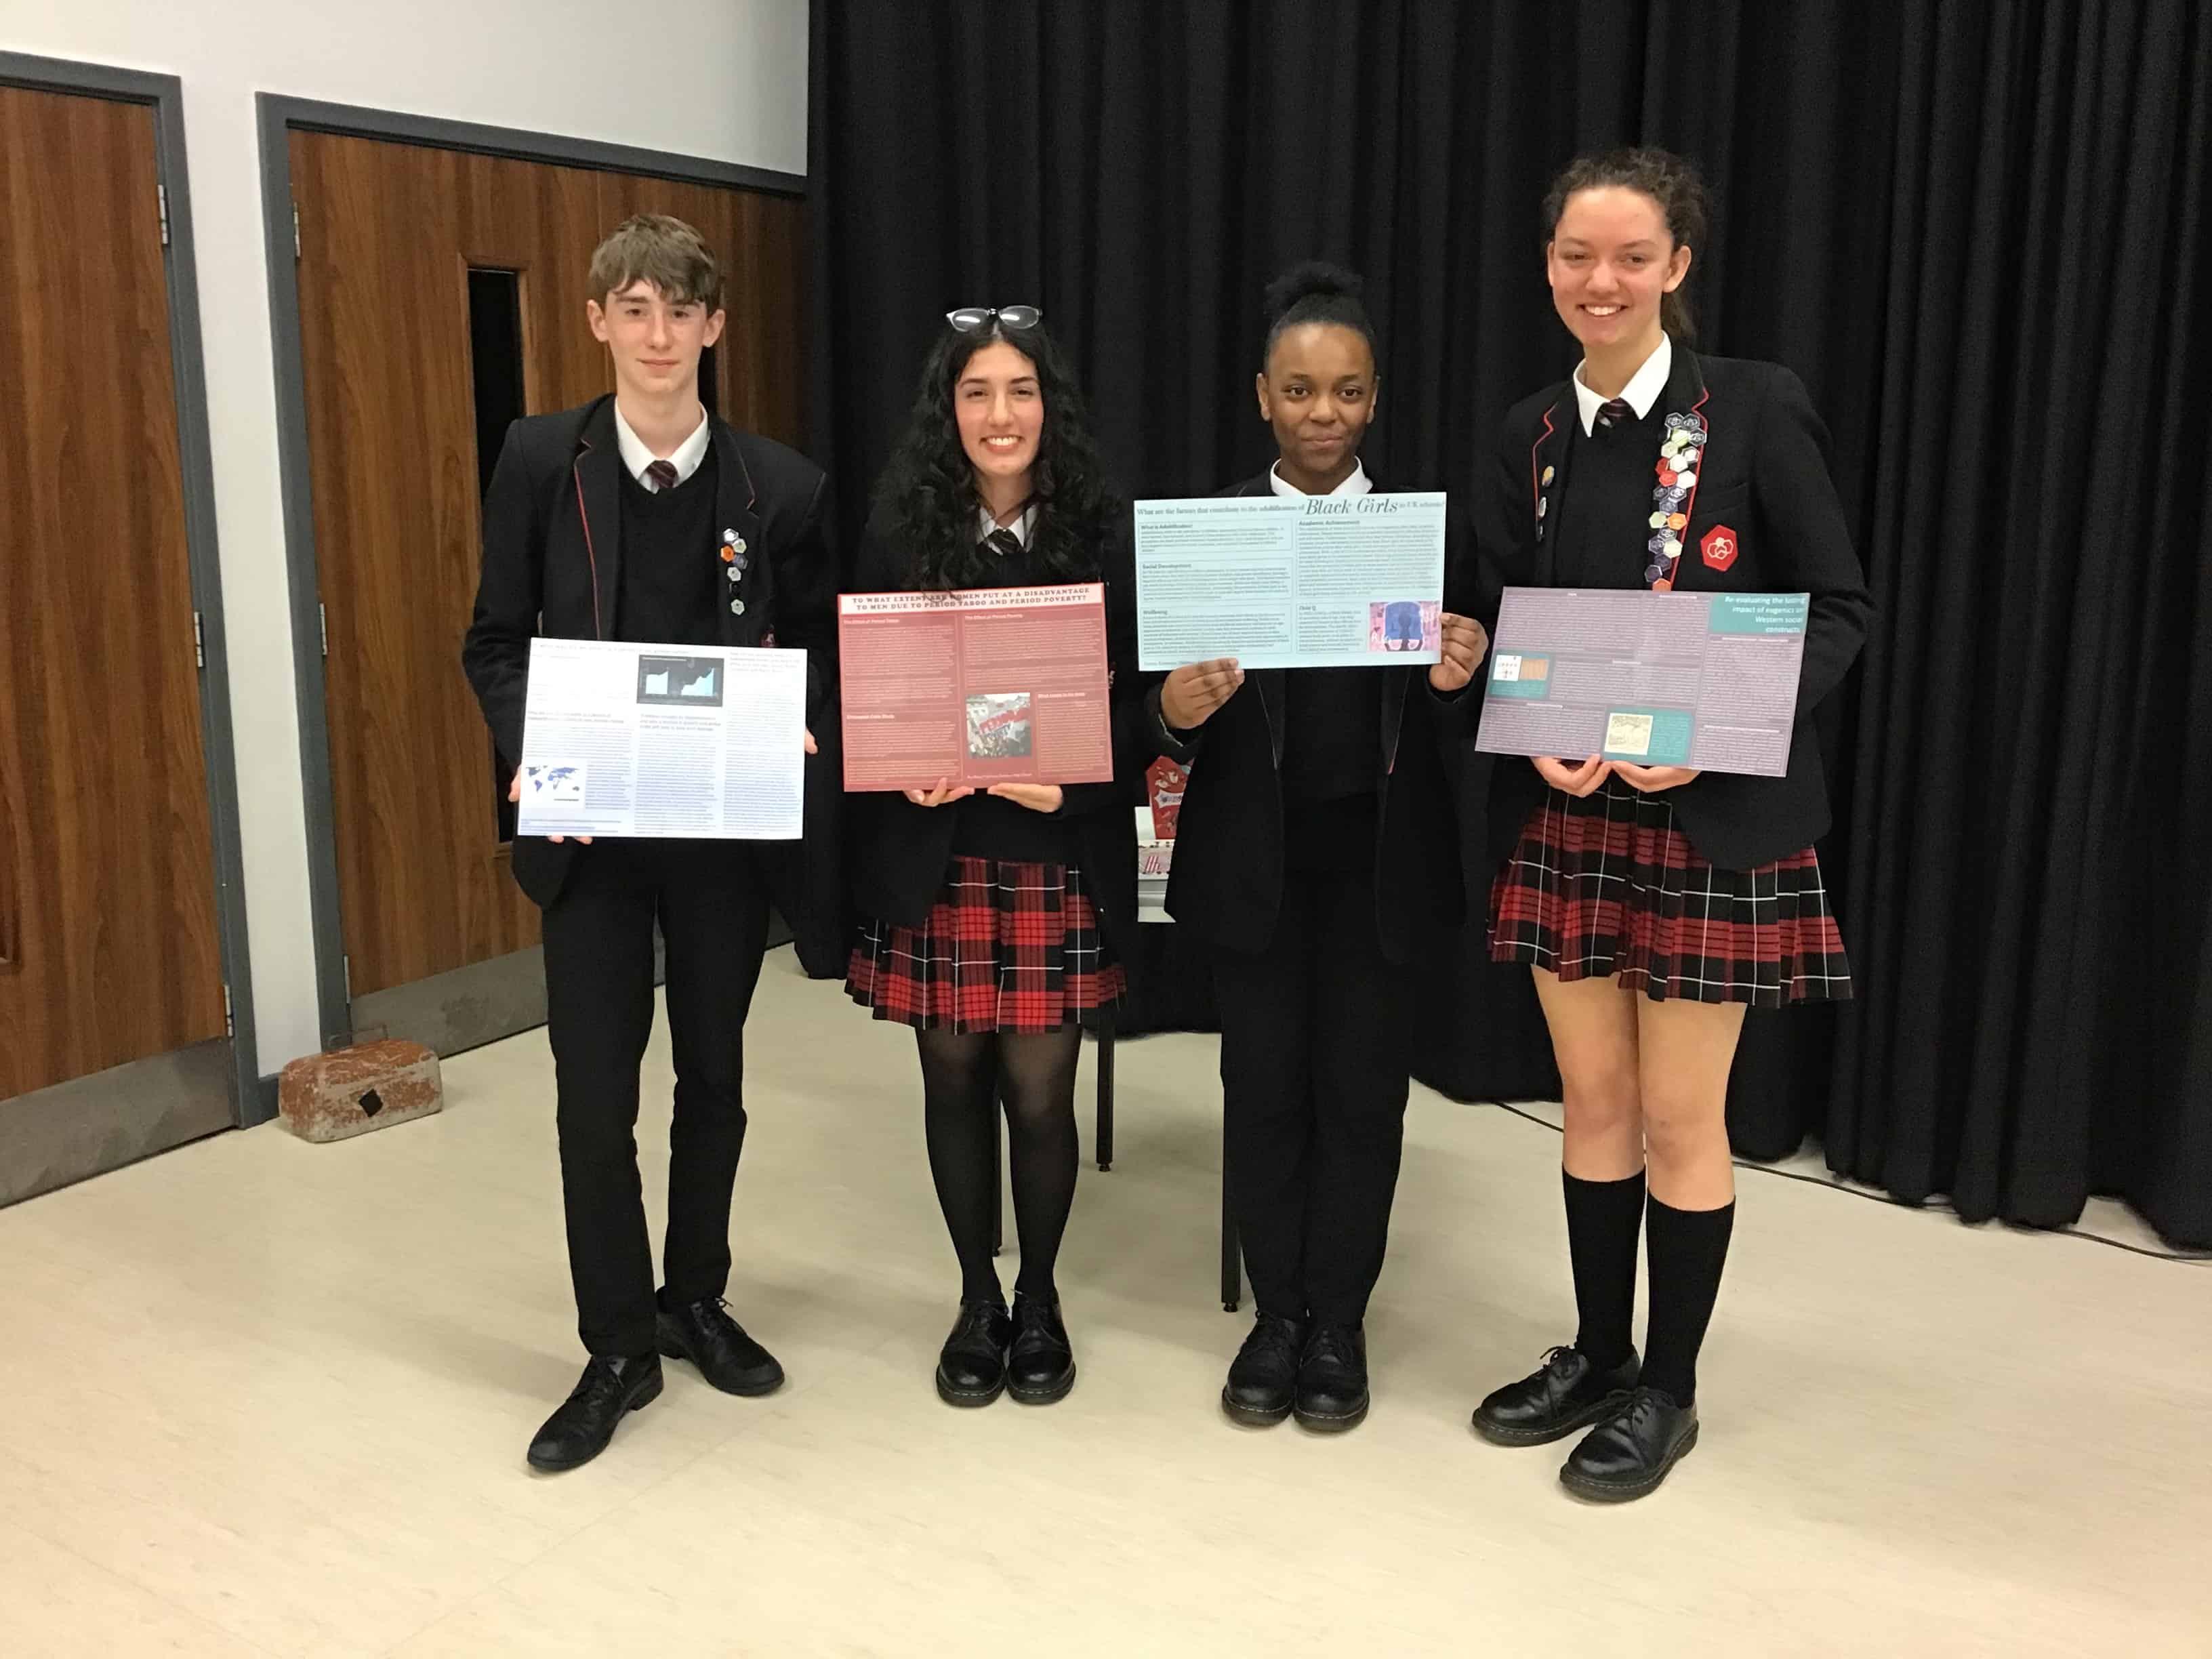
pixel 1642 391
pixel 637 458
pixel 1021 527
pixel 1358 484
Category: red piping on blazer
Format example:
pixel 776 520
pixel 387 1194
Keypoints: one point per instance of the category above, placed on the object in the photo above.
pixel 576 473
pixel 1535 486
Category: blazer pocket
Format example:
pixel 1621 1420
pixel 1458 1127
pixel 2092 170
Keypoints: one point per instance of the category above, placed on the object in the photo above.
pixel 1721 503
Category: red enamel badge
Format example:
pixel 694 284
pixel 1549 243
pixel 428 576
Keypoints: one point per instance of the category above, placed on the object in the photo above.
pixel 1719 547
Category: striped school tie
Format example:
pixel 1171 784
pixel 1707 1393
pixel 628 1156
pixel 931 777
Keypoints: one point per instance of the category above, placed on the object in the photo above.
pixel 663 474
pixel 1611 413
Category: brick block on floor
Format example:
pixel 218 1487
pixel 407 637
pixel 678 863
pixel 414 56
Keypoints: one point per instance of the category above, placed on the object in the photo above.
pixel 369 1086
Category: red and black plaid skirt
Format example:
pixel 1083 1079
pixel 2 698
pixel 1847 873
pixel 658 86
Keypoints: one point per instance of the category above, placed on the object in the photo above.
pixel 1606 886
pixel 1008 947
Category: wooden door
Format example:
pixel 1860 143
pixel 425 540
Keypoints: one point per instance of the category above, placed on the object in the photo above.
pixel 389 235
pixel 109 951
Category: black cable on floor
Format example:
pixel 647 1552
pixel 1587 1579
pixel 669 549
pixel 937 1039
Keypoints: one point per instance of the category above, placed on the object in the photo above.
pixel 1830 1184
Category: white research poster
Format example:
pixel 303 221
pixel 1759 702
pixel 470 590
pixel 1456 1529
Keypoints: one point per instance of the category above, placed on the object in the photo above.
pixel 700 741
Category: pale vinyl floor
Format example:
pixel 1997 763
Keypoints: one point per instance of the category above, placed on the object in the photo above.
pixel 257 1396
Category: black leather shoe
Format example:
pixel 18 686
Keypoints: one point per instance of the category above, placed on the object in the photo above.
pixel 1563 1394
pixel 1630 1453
pixel 1332 1379
pixel 1039 1364
pixel 1263 1379
pixel 610 1390
pixel 971 1369
pixel 705 1334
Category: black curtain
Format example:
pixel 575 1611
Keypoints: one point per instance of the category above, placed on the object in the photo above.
pixel 1978 228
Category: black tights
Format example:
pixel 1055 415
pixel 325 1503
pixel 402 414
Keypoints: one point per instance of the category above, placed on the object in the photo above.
pixel 963 1076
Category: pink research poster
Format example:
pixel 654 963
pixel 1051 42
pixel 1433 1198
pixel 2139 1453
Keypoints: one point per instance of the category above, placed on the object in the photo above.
pixel 981 686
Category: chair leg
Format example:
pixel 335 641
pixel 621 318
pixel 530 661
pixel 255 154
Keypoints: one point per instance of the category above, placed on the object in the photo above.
pixel 1233 1266
pixel 1104 1134
pixel 998 1172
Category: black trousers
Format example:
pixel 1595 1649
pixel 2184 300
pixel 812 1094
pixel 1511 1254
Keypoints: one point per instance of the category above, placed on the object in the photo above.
pixel 1315 1062
pixel 712 910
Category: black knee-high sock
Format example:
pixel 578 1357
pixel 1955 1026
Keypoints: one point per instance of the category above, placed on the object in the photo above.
pixel 1603 1220
pixel 1688 1249
pixel 1036 1077
pixel 959 1088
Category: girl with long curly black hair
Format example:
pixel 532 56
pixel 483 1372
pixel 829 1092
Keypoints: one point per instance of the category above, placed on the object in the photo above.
pixel 998 918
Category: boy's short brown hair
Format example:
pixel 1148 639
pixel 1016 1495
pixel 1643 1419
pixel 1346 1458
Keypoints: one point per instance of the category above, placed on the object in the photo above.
pixel 666 253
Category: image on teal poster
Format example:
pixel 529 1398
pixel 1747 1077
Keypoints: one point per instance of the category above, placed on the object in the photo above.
pixel 1647 737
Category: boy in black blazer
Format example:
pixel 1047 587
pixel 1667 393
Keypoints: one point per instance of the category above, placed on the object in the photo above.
pixel 641 517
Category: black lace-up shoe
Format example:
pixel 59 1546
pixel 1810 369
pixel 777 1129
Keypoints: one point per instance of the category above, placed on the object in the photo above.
pixel 1263 1379
pixel 1563 1394
pixel 705 1334
pixel 1039 1362
pixel 1332 1379
pixel 1629 1454
pixel 610 1390
pixel 971 1369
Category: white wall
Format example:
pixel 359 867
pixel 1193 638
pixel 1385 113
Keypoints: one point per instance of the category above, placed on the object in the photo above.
pixel 721 79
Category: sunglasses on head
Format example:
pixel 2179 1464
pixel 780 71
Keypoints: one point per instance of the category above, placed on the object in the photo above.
pixel 973 320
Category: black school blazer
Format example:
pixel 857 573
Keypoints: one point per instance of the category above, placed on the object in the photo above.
pixel 1226 882
pixel 900 851
pixel 552 565
pixel 1763 518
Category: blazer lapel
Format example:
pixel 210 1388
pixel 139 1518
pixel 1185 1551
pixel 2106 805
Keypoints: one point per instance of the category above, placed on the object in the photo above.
pixel 1396 688
pixel 1685 440
pixel 744 595
pixel 596 472
pixel 1547 458
pixel 1274 693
